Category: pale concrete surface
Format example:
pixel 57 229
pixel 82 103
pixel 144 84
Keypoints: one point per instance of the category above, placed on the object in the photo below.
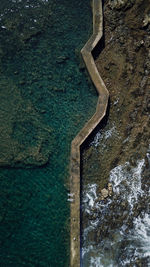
pixel 85 132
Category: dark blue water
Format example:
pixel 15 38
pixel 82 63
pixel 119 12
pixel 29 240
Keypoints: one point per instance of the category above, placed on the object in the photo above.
pixel 39 52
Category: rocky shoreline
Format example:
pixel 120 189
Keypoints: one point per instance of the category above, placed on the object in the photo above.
pixel 123 139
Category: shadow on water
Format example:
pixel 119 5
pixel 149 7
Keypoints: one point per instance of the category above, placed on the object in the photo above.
pixel 85 145
pixel 98 128
pixel 95 53
pixel 98 48
pixel 101 44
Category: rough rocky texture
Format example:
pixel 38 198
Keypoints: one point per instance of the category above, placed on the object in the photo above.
pixel 124 65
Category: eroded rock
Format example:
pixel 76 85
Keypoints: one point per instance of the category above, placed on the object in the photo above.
pixel 106 192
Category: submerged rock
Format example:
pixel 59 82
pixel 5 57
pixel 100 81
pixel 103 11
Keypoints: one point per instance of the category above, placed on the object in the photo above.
pixel 25 140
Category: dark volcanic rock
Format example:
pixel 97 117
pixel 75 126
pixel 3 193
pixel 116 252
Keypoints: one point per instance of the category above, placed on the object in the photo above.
pixel 124 65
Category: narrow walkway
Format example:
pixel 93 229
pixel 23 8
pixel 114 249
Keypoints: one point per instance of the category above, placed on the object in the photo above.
pixel 86 131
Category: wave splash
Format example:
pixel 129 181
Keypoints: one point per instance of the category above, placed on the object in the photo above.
pixel 117 231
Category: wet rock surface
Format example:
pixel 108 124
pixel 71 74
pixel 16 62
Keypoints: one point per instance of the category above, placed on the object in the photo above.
pixel 117 228
pixel 106 192
pixel 121 140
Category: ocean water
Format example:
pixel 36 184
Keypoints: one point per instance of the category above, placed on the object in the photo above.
pixel 117 231
pixel 39 58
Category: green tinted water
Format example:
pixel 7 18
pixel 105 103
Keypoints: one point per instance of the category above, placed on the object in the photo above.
pixel 39 48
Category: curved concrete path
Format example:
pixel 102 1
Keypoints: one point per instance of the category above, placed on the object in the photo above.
pixel 86 131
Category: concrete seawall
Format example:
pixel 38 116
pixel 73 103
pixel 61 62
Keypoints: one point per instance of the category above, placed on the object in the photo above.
pixel 86 131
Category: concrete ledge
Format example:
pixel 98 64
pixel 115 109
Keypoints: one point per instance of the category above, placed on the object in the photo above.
pixel 85 132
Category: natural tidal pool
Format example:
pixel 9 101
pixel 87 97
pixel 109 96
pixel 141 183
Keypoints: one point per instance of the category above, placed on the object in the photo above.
pixel 45 100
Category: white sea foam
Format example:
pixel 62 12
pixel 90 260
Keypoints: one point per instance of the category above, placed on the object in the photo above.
pixel 142 235
pixel 127 181
pixel 139 239
pixel 93 258
pixel 127 185
pixel 98 262
pixel 101 137
pixel 109 133
pixel 89 197
pixel 97 139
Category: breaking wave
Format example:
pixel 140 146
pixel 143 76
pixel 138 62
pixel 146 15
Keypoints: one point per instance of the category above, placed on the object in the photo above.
pixel 128 244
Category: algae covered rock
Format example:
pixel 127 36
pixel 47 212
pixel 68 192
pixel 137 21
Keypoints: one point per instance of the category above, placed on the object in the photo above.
pixel 119 4
pixel 25 140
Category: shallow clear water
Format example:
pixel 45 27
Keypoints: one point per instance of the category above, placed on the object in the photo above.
pixel 40 44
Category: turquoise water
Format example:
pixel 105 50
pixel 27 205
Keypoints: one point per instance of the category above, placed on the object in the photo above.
pixel 39 52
